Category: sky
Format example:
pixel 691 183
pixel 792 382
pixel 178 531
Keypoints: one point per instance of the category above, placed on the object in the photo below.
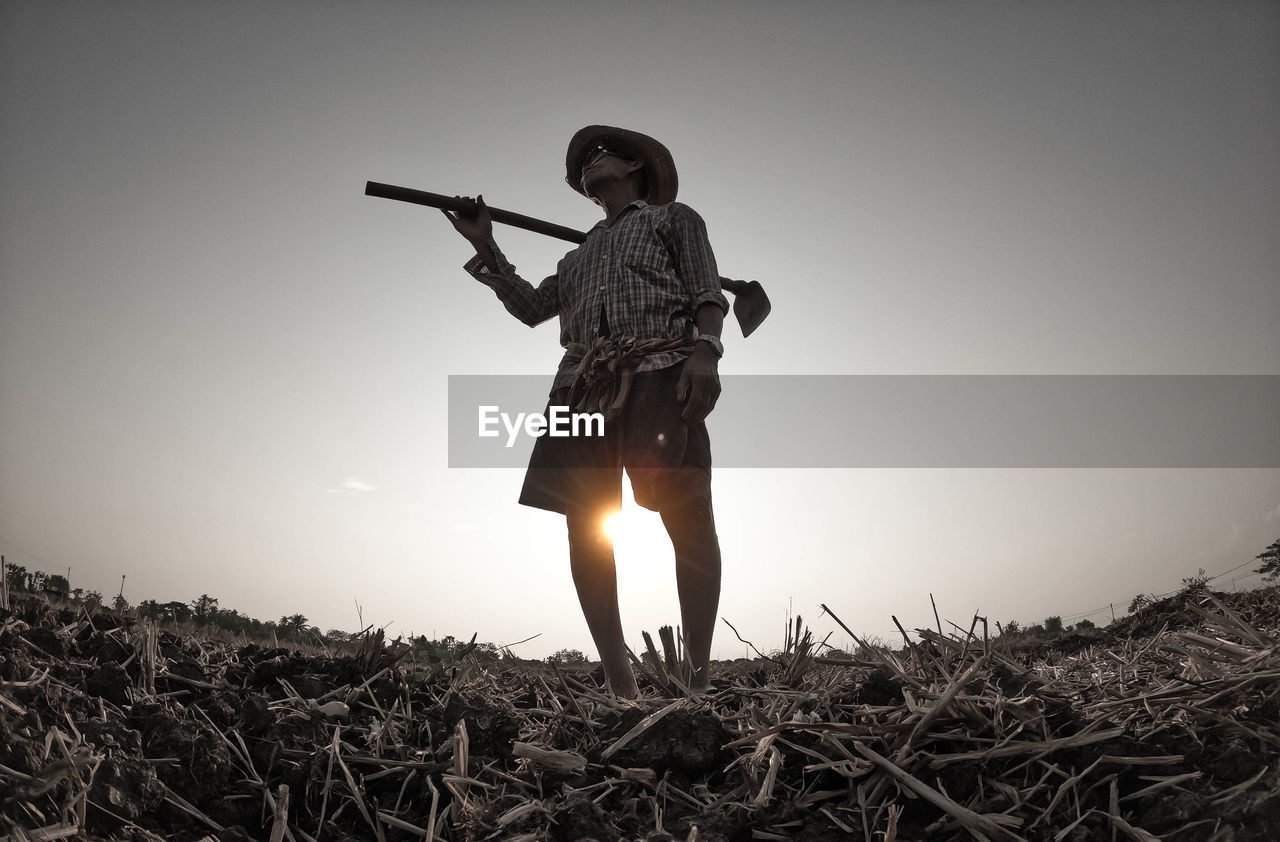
pixel 224 370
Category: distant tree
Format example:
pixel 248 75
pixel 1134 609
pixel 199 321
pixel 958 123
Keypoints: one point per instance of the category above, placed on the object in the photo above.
pixel 1053 625
pixel 92 599
pixel 150 609
pixel 337 635
pixel 179 612
pixel 232 620
pixel 77 593
pixel 293 625
pixel 1140 602
pixel 1270 558
pixel 567 656
pixel 57 584
pixel 1012 627
pixel 17 577
pixel 36 581
pixel 202 608
pixel 119 603
pixel 1085 625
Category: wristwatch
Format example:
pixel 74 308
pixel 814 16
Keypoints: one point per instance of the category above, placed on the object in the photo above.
pixel 713 341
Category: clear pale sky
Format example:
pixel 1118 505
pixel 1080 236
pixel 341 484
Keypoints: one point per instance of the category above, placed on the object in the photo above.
pixel 223 368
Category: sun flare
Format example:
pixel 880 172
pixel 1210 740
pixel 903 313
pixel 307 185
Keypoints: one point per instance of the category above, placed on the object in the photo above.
pixel 638 535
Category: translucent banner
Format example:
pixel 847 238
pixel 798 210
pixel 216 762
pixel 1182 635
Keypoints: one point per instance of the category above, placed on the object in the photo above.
pixel 919 421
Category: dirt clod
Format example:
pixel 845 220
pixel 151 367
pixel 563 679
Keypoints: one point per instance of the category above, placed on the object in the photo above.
pixel 109 681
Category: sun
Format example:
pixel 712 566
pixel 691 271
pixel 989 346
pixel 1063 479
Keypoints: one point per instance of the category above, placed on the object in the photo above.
pixel 637 534
pixel 615 525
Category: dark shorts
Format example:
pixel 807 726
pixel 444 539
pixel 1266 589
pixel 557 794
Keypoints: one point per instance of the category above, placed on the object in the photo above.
pixel 648 439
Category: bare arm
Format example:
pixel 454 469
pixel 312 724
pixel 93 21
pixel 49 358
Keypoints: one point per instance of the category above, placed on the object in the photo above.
pixel 699 385
pixel 710 319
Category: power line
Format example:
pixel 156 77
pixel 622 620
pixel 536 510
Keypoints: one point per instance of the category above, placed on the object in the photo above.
pixel 1234 569
pixel 1081 614
pixel 1078 614
pixel 14 546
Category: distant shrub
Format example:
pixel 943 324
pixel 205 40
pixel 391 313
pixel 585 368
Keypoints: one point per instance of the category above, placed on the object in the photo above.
pixel 1140 602
pixel 1196 583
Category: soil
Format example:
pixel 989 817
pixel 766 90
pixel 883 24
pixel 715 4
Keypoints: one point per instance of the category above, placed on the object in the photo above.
pixel 106 737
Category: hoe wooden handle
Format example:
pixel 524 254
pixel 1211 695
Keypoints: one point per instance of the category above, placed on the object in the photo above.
pixel 468 207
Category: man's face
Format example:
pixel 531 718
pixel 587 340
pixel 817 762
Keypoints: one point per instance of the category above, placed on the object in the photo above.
pixel 602 165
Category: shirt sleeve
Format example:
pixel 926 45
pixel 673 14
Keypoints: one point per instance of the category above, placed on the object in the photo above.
pixel 695 262
pixel 531 305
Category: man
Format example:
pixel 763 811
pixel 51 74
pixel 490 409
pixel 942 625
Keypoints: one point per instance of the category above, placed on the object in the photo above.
pixel 641 313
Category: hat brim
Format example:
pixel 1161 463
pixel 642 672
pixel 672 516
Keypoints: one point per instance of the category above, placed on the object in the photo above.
pixel 659 168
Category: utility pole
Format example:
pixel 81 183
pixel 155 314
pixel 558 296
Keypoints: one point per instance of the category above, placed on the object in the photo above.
pixel 122 586
pixel 1113 612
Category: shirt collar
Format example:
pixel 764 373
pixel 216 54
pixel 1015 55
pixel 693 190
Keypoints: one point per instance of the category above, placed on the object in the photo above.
pixel 637 204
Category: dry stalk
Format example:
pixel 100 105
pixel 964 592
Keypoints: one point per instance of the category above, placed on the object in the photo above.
pixel 974 739
pixel 982 827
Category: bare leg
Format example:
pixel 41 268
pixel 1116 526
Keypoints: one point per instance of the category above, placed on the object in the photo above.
pixel 596 578
pixel 686 513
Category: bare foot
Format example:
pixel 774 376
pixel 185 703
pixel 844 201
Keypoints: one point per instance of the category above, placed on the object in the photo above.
pixel 698 681
pixel 626 692
pixel 621 681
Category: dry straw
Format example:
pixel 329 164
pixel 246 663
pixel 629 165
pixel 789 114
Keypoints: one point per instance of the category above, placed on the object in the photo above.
pixel 1137 733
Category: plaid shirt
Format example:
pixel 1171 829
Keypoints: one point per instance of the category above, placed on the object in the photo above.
pixel 649 272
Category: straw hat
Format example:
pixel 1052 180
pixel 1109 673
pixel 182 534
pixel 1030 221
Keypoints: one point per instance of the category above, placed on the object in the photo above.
pixel 659 168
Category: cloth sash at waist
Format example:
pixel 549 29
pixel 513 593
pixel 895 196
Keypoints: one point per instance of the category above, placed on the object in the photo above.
pixel 605 368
